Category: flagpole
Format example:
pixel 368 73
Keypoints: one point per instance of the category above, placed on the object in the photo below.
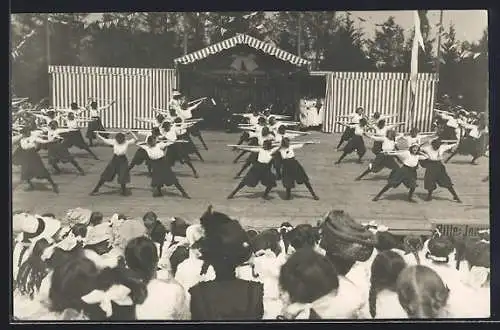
pixel 185 41
pixel 438 65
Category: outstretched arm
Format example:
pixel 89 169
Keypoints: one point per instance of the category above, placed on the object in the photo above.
pixel 106 106
pixel 107 141
pixel 246 148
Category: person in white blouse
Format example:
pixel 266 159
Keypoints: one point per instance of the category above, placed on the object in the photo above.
pixel 292 171
pixel 356 142
pixel 182 131
pixel 250 136
pixel 118 166
pixel 382 160
pixel 185 113
pixel 161 173
pixel 141 156
pixel 475 143
pixel 96 123
pixel 31 163
pixel 353 120
pixel 57 150
pixel 75 137
pixel 435 171
pixel 264 135
pixel 406 174
pixel 260 170
pixel 176 152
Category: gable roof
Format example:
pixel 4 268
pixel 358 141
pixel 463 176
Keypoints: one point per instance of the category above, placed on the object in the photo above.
pixel 238 40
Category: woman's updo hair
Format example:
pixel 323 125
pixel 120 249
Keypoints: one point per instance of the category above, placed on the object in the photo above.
pixel 151 141
pixel 178 120
pixel 421 292
pixel 141 257
pixel 71 116
pixel 96 218
pixel 439 249
pixel 166 125
pixel 285 142
pixel 267 145
pixel 302 236
pixel 307 276
pixel 93 105
pixel 155 131
pixel 266 240
pixel 436 143
pixel 120 138
pixel 74 106
pixel 265 131
pixel 79 230
pixel 385 270
pixel 381 124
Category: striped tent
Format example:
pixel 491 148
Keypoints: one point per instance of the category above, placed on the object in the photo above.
pixel 245 40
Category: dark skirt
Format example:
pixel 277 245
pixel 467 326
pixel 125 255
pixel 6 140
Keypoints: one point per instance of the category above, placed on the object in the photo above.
pixel 252 158
pixel 403 175
pixel 356 143
pixel 161 173
pixel 382 161
pixel 435 174
pixel 176 153
pixel 260 172
pixel 348 134
pixel 194 130
pixel 447 133
pixel 377 147
pixel 118 166
pixel 95 125
pixel 293 172
pixel 32 165
pixel 17 156
pixel 74 139
pixel 253 141
pixel 473 147
pixel 140 157
pixel 188 147
pixel 58 152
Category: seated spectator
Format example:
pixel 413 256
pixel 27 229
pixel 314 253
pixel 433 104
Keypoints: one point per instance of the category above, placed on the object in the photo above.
pixel 303 236
pixel 422 293
pixel 383 298
pixel 313 290
pixel 225 247
pixel 164 301
pixel 156 230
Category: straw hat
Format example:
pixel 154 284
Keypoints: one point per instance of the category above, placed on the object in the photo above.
pixel 40 227
pixel 98 234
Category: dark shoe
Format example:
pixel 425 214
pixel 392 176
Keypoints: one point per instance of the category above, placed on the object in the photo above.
pixel 411 200
pixel 316 198
pixel 126 193
pixel 456 199
pixel 93 192
pixel 236 177
pixel 196 176
pixel 230 197
pixel 186 196
pixel 55 189
pixel 375 199
pixel 428 198
pixel 360 161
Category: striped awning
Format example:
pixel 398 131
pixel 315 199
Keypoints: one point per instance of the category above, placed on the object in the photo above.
pixel 238 40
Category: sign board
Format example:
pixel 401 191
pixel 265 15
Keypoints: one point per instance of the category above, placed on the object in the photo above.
pixel 470 230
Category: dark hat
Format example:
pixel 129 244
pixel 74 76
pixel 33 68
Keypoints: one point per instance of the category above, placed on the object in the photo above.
pixel 478 254
pixel 178 227
pixel 225 241
pixel 439 248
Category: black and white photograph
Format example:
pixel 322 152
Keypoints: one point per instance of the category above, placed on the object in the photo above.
pixel 250 166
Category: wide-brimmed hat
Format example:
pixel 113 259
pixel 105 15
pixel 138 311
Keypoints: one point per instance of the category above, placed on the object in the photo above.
pixel 35 226
pixel 98 234
pixel 225 239
pixel 194 233
pixel 79 215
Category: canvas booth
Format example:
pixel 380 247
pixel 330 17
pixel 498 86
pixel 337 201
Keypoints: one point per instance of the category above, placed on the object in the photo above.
pixel 239 71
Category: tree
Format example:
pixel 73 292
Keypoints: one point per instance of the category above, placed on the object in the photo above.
pixel 387 48
pixel 344 51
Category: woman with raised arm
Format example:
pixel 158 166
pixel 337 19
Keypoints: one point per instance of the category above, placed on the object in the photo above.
pixel 382 160
pixel 292 171
pixel 406 174
pixel 186 113
pixel 475 143
pixel 118 165
pixel 141 156
pixel 260 170
pixel 176 152
pixel 96 123
pixel 264 135
pixel 57 149
pixel 250 135
pixel 356 142
pixel 435 171
pixel 30 161
pixel 75 137
pixel 182 131
pixel 353 120
pixel 161 173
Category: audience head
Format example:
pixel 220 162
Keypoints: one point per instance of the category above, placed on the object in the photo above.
pixel 120 138
pixel 421 292
pixel 141 257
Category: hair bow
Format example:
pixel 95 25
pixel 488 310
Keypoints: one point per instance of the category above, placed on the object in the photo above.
pixel 118 294
pixel 101 262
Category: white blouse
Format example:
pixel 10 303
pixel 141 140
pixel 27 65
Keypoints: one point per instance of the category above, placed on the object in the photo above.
pixel 387 145
pixel 253 120
pixel 265 156
pixel 119 149
pixel 355 118
pixel 72 123
pixel 165 301
pixel 30 142
pixel 408 159
pixel 170 135
pixel 289 152
pixel 156 152
pixel 381 131
pixel 94 113
pixel 413 140
pixel 437 155
pixel 358 130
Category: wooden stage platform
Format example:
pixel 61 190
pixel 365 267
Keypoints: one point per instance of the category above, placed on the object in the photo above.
pixel 334 184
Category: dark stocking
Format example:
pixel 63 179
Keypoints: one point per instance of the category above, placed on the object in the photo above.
pixel 238 188
pixel 181 189
pixel 376 198
pixel 267 191
pixel 429 195
pixel 187 161
pixel 87 148
pixel 243 168
pixel 99 185
pixel 310 188
pixel 288 195
pixel 241 154
pixel 123 190
pixel 157 191
pixel 77 166
pixel 368 170
pixel 341 157
pixel 454 194
pixel 53 184
pixel 202 141
pixel 410 195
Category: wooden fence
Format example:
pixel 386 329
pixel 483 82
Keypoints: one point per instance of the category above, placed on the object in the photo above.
pixel 386 93
pixel 136 91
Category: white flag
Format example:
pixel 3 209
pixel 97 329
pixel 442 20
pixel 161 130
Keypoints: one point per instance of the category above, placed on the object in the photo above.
pixel 417 41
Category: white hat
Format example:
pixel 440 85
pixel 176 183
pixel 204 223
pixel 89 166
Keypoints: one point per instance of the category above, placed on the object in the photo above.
pixel 98 234
pixel 43 227
pixel 194 233
pixel 176 93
